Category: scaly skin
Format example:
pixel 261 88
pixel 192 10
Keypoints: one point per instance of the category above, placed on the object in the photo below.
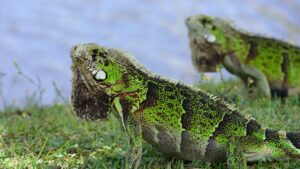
pixel 177 119
pixel 265 65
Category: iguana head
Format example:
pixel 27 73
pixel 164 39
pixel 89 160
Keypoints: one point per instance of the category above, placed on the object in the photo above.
pixel 207 38
pixel 98 74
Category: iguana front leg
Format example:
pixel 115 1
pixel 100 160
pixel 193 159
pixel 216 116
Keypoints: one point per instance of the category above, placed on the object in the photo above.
pixel 246 73
pixel 121 108
pixel 259 80
pixel 136 140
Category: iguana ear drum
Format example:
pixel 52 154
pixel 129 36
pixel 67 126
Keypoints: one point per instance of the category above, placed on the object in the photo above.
pixel 86 104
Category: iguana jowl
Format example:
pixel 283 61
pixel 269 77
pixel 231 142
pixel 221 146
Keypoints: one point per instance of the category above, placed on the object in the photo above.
pixel 177 119
pixel 266 66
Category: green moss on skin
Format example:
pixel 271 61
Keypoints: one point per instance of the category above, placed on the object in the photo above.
pixel 180 120
pixel 269 60
pixel 262 54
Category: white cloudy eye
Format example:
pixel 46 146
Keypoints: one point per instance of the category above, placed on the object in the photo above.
pixel 210 38
pixel 101 75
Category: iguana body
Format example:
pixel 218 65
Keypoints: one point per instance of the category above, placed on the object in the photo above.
pixel 177 119
pixel 264 64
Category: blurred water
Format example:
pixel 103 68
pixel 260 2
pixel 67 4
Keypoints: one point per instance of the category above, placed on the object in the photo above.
pixel 38 35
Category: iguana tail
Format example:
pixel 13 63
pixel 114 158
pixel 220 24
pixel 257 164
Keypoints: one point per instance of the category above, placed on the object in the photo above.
pixel 294 137
pixel 279 145
pixel 257 143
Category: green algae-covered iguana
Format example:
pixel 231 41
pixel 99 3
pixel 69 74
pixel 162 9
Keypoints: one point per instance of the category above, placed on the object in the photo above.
pixel 177 119
pixel 266 66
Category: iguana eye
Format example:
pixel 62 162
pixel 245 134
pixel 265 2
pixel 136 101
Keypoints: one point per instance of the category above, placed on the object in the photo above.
pixel 209 38
pixel 100 75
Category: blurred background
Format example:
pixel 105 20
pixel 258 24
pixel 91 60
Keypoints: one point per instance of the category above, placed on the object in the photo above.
pixel 37 35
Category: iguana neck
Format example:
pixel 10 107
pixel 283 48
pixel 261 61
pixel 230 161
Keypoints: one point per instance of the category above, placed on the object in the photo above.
pixel 133 92
pixel 237 45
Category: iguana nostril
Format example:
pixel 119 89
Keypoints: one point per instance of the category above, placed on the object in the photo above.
pixel 72 51
pixel 75 47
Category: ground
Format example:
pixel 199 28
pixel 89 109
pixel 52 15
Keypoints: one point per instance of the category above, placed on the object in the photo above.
pixel 52 137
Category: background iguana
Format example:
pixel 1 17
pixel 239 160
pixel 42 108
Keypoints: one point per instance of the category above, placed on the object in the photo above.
pixel 265 65
pixel 177 119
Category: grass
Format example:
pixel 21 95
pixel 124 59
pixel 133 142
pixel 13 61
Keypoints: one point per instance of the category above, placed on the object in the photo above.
pixel 52 137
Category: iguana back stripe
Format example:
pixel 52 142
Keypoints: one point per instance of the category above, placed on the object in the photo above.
pixel 253 52
pixel 252 127
pixel 272 134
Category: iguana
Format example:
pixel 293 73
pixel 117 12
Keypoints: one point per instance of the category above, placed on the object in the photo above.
pixel 266 66
pixel 177 119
